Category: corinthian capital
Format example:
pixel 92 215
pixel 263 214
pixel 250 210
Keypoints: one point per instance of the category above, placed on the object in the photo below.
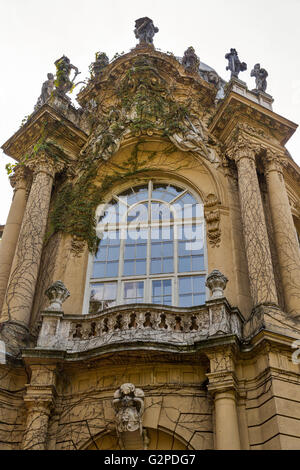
pixel 18 178
pixel 43 163
pixel 240 146
pixel 274 161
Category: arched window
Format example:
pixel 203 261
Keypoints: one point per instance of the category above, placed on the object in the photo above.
pixel 151 249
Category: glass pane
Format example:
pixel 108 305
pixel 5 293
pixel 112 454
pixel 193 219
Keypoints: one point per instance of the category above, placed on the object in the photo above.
pixel 141 251
pixel 140 267
pixel 138 213
pixel 184 264
pixel 165 192
pixel 197 263
pixel 98 270
pixel 185 285
pixel 129 268
pixel 113 253
pixel 156 250
pixel 168 265
pixel 160 211
pixel 186 300
pixel 167 300
pixel 156 266
pixel 130 290
pixel 129 252
pixel 112 269
pixel 140 289
pixel 199 299
pixel 156 288
pixel 133 195
pixel 101 255
pixel 168 249
pixel 167 287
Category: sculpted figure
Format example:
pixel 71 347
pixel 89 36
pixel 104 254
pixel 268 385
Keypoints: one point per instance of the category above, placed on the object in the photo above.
pixel 145 30
pixel 192 139
pixel 128 403
pixel 99 64
pixel 190 60
pixel 63 70
pixel 260 78
pixel 47 88
pixel 234 63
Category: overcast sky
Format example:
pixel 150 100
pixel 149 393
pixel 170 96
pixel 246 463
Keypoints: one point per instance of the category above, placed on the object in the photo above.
pixel 34 33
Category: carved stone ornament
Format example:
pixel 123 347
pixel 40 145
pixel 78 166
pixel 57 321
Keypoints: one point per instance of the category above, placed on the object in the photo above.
pixel 62 82
pixel 234 64
pixel 216 282
pixel 18 178
pixel 100 63
pixel 42 163
pixel 212 217
pixel 145 30
pixel 128 404
pixel 190 60
pixel 260 78
pixel 47 89
pixel 57 293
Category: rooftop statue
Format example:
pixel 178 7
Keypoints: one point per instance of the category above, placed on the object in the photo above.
pixel 101 61
pixel 47 88
pixel 234 63
pixel 190 60
pixel 260 78
pixel 145 30
pixel 63 83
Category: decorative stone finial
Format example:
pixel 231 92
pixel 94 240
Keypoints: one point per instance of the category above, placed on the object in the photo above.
pixel 234 63
pixel 190 60
pixel 216 282
pixel 62 82
pixel 145 30
pixel 128 403
pixel 100 63
pixel 47 89
pixel 57 293
pixel 260 78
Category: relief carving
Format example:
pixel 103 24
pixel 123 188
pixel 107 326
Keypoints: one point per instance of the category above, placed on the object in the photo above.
pixel 212 217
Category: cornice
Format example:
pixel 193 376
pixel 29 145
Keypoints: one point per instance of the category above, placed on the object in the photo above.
pixel 46 120
pixel 236 108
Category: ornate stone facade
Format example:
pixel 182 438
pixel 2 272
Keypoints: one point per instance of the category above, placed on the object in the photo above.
pixel 206 367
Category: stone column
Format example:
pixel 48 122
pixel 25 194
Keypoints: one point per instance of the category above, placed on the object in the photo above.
pixel 260 269
pixel 23 277
pixel 39 401
pixel 35 436
pixel 286 243
pixel 222 385
pixel 227 428
pixel 12 227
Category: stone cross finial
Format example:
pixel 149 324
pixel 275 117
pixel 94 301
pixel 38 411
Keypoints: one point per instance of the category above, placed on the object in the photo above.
pixel 234 63
pixel 57 293
pixel 145 30
pixel 216 282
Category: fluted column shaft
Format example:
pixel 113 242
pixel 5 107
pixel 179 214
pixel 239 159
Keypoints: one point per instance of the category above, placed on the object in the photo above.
pixel 12 228
pixel 261 275
pixel 21 286
pixel 286 243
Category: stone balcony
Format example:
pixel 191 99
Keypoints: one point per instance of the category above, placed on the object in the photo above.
pixel 150 324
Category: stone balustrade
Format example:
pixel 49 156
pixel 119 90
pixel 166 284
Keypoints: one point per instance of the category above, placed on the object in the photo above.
pixel 140 323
